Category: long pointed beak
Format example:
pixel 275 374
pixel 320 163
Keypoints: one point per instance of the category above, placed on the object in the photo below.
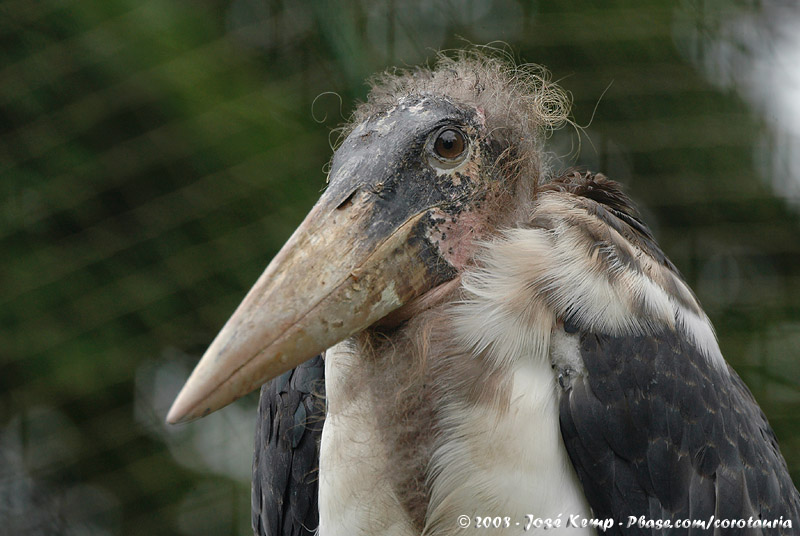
pixel 338 274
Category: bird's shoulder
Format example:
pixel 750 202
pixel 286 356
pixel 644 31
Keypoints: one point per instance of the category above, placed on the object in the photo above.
pixel 656 423
pixel 584 255
pixel 575 194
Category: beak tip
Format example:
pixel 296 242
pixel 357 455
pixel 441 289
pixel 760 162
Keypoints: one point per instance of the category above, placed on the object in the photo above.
pixel 202 393
pixel 186 407
pixel 173 417
pixel 178 414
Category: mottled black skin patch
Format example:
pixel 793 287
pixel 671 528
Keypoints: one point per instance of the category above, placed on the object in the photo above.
pixel 439 270
pixel 654 429
pixel 286 460
pixel 387 159
pixel 388 154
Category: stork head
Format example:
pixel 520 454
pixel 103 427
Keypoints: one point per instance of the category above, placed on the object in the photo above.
pixel 433 162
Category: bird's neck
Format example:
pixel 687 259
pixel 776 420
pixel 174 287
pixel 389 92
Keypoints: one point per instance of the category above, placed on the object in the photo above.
pixel 379 433
pixel 421 428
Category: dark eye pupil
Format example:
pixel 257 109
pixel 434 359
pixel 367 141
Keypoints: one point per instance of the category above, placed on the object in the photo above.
pixel 449 144
pixel 448 140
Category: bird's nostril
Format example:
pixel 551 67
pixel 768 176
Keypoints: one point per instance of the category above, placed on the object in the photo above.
pixel 347 201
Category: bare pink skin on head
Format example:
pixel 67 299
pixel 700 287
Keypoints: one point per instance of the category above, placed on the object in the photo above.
pixel 456 237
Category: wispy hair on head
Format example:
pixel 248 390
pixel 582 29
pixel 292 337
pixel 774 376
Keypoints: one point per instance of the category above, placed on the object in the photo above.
pixel 520 102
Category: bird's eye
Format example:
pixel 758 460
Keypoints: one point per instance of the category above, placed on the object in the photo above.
pixel 449 144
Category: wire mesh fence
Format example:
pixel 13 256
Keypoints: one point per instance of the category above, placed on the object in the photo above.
pixel 154 155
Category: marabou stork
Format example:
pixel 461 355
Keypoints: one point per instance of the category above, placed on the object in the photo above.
pixel 501 341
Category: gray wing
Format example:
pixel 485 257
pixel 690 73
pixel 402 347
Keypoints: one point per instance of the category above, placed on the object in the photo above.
pixel 654 430
pixel 286 459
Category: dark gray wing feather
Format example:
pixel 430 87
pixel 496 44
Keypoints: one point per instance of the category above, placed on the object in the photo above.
pixel 654 429
pixel 286 459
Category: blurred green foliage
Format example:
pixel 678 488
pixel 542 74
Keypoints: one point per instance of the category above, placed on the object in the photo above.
pixel 154 156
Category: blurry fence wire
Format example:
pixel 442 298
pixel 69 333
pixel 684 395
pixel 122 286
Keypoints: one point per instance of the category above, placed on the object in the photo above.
pixel 154 155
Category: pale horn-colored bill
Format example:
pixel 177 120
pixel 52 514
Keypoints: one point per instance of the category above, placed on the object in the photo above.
pixel 333 278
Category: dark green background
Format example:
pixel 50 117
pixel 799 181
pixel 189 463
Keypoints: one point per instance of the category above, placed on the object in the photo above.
pixel 154 155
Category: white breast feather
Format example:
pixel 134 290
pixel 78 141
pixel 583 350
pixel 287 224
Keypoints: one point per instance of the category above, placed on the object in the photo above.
pixel 508 463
